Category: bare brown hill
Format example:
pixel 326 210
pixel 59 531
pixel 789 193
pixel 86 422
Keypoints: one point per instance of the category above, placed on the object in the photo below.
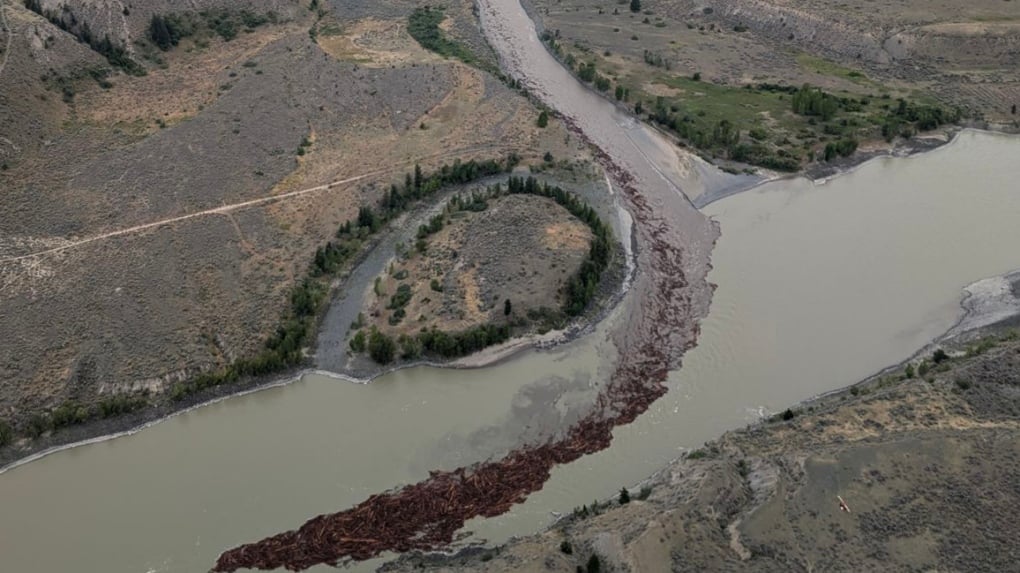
pixel 118 180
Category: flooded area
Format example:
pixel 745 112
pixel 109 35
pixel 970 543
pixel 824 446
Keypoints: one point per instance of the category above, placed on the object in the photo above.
pixel 819 285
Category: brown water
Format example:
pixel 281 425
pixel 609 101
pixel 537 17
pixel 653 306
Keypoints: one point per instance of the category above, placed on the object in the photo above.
pixel 819 285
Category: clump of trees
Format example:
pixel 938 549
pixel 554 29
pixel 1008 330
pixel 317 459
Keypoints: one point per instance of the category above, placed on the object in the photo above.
pixel 381 347
pixel 657 60
pixel 73 413
pixel 65 19
pixel 167 30
pixel 813 101
pixel 581 287
pixel 841 148
pixel 423 26
pixel 908 118
pixel 285 347
pixel 579 291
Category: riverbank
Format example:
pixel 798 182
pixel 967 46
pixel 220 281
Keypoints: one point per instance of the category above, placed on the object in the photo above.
pixel 132 422
pixel 917 453
pixel 126 424
pixel 371 261
pixel 332 349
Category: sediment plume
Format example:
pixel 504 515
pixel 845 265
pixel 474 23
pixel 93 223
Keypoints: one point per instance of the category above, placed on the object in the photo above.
pixel 426 515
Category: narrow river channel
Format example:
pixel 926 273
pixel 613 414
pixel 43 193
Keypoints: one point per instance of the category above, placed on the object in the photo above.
pixel 819 285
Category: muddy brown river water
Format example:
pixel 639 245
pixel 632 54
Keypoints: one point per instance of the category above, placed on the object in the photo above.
pixel 819 285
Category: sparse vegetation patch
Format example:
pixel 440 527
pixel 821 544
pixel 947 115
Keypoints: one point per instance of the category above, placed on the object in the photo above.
pixel 495 325
pixel 167 30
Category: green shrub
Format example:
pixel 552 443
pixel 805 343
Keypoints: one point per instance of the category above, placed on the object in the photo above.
pixel 6 433
pixel 381 347
pixel 423 26
pixel 400 299
pixel 358 341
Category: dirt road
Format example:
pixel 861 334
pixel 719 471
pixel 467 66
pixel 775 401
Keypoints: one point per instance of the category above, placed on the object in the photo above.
pixel 242 205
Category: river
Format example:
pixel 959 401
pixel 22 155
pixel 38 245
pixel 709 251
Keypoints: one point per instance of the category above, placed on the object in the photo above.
pixel 819 285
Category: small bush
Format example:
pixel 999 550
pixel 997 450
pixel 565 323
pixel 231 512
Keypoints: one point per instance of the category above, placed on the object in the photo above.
pixel 358 341
pixel 922 370
pixel 566 548
pixel 6 433
pixel 381 347
pixel 624 496
pixel 743 468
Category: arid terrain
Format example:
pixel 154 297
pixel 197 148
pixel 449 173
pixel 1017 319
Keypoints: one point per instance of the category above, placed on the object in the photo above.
pixel 154 222
pixel 722 75
pixel 198 197
pixel 926 465
pixel 521 249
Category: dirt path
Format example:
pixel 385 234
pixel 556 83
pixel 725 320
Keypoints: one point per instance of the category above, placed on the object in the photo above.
pixel 243 204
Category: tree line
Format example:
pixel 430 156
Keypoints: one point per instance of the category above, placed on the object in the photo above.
pixel 116 54
pixel 578 293
pixel 284 348
pixel 167 30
